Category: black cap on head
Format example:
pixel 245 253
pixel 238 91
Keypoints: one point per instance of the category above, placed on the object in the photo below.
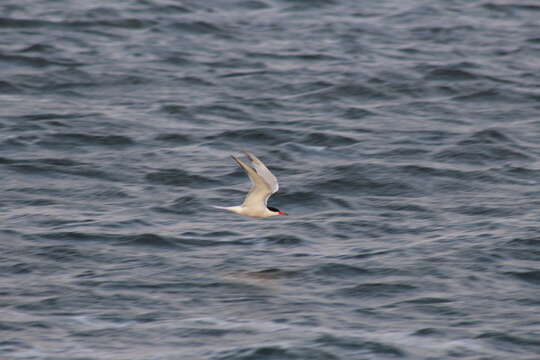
pixel 273 209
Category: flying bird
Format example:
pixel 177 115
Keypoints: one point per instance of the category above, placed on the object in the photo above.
pixel 263 185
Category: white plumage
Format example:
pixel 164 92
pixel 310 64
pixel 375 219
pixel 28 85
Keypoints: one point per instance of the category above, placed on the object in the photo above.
pixel 263 185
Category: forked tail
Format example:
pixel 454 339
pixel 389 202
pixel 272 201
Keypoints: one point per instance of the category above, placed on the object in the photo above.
pixel 220 207
pixel 234 209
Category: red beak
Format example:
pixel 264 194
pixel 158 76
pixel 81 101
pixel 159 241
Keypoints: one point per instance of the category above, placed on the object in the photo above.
pixel 283 213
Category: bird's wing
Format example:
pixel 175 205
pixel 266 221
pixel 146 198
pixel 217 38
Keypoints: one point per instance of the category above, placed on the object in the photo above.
pixel 259 192
pixel 263 171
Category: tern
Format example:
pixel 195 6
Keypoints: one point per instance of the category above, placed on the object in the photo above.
pixel 263 185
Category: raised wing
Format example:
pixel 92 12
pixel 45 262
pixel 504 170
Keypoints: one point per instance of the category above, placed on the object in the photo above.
pixel 263 171
pixel 260 190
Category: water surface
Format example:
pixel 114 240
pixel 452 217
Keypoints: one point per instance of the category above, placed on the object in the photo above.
pixel 404 135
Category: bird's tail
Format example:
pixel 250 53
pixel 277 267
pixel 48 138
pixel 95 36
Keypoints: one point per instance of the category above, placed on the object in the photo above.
pixel 220 207
pixel 234 209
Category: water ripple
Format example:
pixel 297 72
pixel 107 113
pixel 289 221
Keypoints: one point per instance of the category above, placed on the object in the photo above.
pixel 404 136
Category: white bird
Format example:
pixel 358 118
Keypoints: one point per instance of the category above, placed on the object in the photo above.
pixel 263 185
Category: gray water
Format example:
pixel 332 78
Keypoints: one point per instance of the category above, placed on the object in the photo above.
pixel 405 135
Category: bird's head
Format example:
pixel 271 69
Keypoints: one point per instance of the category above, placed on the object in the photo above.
pixel 277 211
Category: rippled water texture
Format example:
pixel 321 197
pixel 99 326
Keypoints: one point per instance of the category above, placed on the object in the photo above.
pixel 405 135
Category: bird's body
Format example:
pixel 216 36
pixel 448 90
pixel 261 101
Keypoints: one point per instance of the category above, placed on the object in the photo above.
pixel 264 184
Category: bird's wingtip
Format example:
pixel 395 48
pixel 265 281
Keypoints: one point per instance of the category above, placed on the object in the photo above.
pixel 251 157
